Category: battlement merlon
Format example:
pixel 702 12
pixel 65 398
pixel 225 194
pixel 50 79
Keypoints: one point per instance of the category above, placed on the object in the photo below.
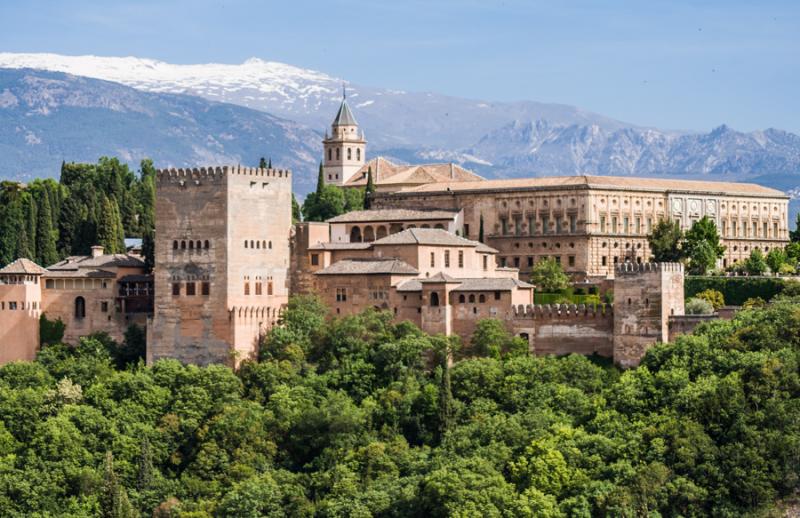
pixel 645 268
pixel 541 311
pixel 200 174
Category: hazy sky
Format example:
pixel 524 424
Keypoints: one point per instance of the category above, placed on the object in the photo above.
pixel 673 64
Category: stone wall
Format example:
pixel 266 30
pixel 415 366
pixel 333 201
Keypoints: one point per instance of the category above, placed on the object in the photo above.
pixel 566 328
pixel 19 321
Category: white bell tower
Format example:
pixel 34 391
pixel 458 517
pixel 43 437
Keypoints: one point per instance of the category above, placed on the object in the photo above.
pixel 345 148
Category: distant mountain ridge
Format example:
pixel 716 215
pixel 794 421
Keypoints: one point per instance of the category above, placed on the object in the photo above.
pixel 519 139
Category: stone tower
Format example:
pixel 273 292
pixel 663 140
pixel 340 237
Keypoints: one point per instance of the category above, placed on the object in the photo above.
pixel 645 296
pixel 345 147
pixel 221 261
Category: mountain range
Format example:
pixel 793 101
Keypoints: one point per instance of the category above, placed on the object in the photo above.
pixel 55 107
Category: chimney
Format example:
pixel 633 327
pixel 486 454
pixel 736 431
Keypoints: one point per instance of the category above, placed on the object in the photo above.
pixel 97 251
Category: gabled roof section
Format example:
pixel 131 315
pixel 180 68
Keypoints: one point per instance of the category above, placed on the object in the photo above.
pixel 383 215
pixel 104 261
pixel 22 266
pixel 369 267
pixel 430 236
pixel 440 277
pixel 344 117
pixel 492 284
pixel 387 173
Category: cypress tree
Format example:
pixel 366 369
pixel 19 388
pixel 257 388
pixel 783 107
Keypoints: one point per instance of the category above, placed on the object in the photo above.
pixel 145 478
pixel 445 393
pixel 29 249
pixel 262 164
pixel 149 250
pixel 107 227
pixel 296 215
pixel 269 164
pixel 46 253
pixel 320 180
pixel 119 231
pixel 24 244
pixel 480 230
pixel 369 189
pixel 114 502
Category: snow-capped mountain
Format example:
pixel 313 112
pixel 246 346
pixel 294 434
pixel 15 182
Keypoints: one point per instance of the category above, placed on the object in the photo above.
pixel 391 118
pixel 47 117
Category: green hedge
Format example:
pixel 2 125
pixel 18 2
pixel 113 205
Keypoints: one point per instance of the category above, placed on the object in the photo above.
pixel 736 290
pixel 552 298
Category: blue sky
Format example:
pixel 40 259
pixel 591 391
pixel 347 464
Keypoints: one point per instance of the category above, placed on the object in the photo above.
pixel 671 64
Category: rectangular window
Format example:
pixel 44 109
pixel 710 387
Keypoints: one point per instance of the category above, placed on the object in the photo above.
pixel 558 259
pixel 765 234
pixel 638 225
pixel 190 288
pixel 205 288
pixel 734 230
pixel 530 261
pixel 104 307
pixel 466 230
pixel 176 288
pixel 49 284
pixel 460 258
pixel 724 228
pixel 503 226
pixel 573 223
pixel 503 262
pixel 625 226
pixel 341 294
pixel 12 306
pixel 614 225
pixel 247 288
pixel 433 260
pixel 604 260
pixel 516 262
pixel 775 230
pixel 649 225
pixel 485 262
pixel 531 225
pixel 496 295
pixel 755 229
pixel 446 259
pixel 571 260
pixel 269 288
pixel 314 259
pixel 258 288
pixel 545 224
pixel 602 223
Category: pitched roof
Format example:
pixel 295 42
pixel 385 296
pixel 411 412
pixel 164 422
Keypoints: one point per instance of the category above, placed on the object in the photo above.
pixel 89 273
pixel 600 182
pixel 344 117
pixel 359 216
pixel 103 261
pixel 430 236
pixel 369 267
pixel 491 284
pixel 410 285
pixel 438 278
pixel 22 266
pixel 386 173
pixel 341 246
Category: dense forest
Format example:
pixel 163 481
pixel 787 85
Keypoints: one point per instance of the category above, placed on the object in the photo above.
pixel 358 416
pixel 91 204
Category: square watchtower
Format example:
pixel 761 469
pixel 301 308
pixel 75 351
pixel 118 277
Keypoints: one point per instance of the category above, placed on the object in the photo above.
pixel 221 261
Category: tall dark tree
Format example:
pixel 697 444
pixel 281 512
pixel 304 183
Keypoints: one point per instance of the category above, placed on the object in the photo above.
pixel 702 246
pixel 794 235
pixel 107 227
pixel 369 189
pixel 269 163
pixel 46 250
pixel 28 248
pixel 320 180
pixel 296 214
pixel 480 230
pixel 114 502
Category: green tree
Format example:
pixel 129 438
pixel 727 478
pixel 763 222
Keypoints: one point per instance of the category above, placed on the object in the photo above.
pixel 320 180
pixel 665 241
pixel 353 198
pixel 755 264
pixel 45 235
pixel 297 215
pixel 480 230
pixel 549 277
pixel 775 259
pixel 794 235
pixel 702 246
pixel 50 331
pixel 114 501
pixel 369 190
pixel 262 163
pixel 492 339
pixel 714 297
pixel 323 205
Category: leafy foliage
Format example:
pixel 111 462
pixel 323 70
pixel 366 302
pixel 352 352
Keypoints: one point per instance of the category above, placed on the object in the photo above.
pixel 735 290
pixel 549 277
pixel 665 241
pixel 713 297
pixel 360 416
pixel 699 306
pixel 702 246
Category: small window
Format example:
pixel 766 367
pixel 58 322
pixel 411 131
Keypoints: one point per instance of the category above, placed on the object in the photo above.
pixel 341 294
pixel 264 245
pixel 433 260
pixel 482 299
pixel 349 153
pixel 190 288
pixel 183 245
pixel 104 307
pixel 176 289
pixel 434 299
pixel 485 262
pixel 258 288
pixel 446 259
pixel 269 288
pixel 496 295
pixel 191 245
pixel 198 245
pixel 245 243
pixel 460 258
pixel 247 288
pixel 258 244
pixel 461 299
pixel 174 245
pixel 80 307
pixel 314 259
pixel 571 260
pixel 270 245
pixel 207 245
pixel 472 299
pixel 205 288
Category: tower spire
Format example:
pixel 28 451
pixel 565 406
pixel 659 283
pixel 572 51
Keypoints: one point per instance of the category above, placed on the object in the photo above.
pixel 344 92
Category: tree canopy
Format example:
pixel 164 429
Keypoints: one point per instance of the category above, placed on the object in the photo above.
pixel 549 277
pixel 665 241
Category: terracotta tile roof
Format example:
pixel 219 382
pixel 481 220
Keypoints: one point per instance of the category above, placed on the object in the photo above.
pixel 386 172
pixel 341 246
pixel 88 273
pixel 137 278
pixel 410 285
pixel 103 261
pixel 430 236
pixel 359 216
pixel 491 284
pixel 22 266
pixel 439 278
pixel 600 182
pixel 369 267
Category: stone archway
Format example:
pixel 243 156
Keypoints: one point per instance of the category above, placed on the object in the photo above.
pixel 369 234
pixel 355 235
pixel 380 232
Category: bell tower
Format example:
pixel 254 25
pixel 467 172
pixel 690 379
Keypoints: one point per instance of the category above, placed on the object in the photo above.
pixel 345 147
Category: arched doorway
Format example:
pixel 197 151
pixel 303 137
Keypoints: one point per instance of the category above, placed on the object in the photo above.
pixel 381 232
pixel 355 235
pixel 369 234
pixel 80 307
pixel 434 299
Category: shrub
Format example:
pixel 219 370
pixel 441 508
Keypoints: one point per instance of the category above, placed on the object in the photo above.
pixel 696 306
pixel 736 290
pixel 755 302
pixel 755 264
pixel 787 269
pixel 712 296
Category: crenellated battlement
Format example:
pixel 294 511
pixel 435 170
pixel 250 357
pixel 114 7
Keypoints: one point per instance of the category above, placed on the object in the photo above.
pixel 542 311
pixel 199 174
pixel 645 268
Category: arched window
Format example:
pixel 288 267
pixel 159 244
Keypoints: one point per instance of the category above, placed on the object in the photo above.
pixel 270 245
pixel 369 234
pixel 461 299
pixel 207 244
pixel 358 153
pixel 80 307
pixel 330 155
pixel 349 153
pixel 197 245
pixel 245 243
pixel 258 244
pixel 482 299
pixel 355 235
pixel 174 245
pixel 264 245
pixel 338 153
pixel 183 245
pixel 380 233
pixel 252 245
pixel 434 299
pixel 472 299
pixel 191 245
